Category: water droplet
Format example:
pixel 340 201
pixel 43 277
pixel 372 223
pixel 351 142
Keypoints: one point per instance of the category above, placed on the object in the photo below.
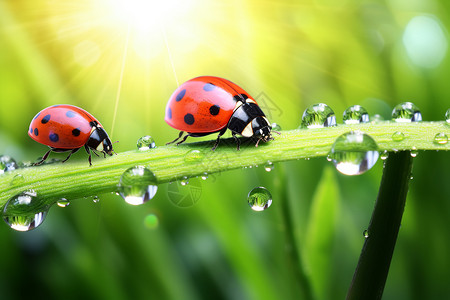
pixel 366 233
pixel 259 198
pixel 376 119
pixel 406 112
pixel 447 116
pixel 25 211
pixel 151 221
pixel 355 114
pixel 414 152
pixel 193 156
pixel 268 166
pixel 184 180
pixel 329 157
pixel 318 116
pixel 17 179
pixel 145 143
pixel 96 199
pixel 384 155
pixel 441 138
pixel 204 176
pixel 63 202
pixel 137 185
pixel 354 153
pixel 398 136
pixel 276 127
pixel 7 163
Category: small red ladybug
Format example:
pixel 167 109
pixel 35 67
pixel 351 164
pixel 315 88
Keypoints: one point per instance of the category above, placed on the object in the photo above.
pixel 208 104
pixel 67 128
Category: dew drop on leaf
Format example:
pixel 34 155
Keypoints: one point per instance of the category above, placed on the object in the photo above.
pixel 406 112
pixel 318 116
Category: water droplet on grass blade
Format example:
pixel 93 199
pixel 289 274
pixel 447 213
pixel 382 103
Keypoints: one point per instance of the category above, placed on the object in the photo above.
pixel 441 138
pixel 63 202
pixel 25 211
pixel 276 127
pixel 145 143
pixel 137 185
pixel 259 199
pixel 204 176
pixel 268 166
pixel 354 153
pixel 193 156
pixel 398 136
pixel 406 112
pixel 7 163
pixel 447 116
pixel 96 199
pixel 366 233
pixel 384 155
pixel 355 114
pixel 184 180
pixel 17 179
pixel 318 116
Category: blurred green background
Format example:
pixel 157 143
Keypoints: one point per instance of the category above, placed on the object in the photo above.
pixel 121 60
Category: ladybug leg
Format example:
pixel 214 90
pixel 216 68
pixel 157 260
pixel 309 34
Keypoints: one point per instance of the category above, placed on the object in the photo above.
pixel 184 139
pixel 70 154
pixel 88 152
pixel 43 157
pixel 238 142
pixel 218 138
pixel 179 136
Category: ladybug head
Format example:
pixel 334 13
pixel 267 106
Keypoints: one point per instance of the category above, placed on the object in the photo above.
pixel 99 140
pixel 261 129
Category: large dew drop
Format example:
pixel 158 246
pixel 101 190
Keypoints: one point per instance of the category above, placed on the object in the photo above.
pixel 318 116
pixel 7 163
pixel 355 114
pixel 137 185
pixel 406 112
pixel 145 143
pixel 259 199
pixel 354 153
pixel 25 211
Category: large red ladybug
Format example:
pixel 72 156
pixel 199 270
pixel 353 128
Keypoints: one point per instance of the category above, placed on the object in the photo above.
pixel 67 128
pixel 208 104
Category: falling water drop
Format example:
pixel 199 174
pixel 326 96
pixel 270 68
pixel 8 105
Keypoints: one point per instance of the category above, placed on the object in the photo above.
pixel 259 199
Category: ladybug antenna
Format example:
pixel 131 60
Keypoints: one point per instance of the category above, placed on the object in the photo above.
pixel 277 132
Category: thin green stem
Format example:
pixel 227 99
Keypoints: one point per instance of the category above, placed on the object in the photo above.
pixel 75 179
pixel 373 266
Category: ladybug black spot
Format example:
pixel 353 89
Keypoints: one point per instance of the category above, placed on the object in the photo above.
pixel 180 95
pixel 189 119
pixel 53 137
pixel 45 119
pixel 76 132
pixel 214 110
pixel 240 97
pixel 70 114
pixel 36 132
pixel 209 87
pixel 169 113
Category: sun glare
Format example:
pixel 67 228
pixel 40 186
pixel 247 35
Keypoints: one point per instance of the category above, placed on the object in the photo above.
pixel 147 15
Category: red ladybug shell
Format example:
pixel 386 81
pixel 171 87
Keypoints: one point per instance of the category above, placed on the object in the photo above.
pixel 204 104
pixel 62 126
